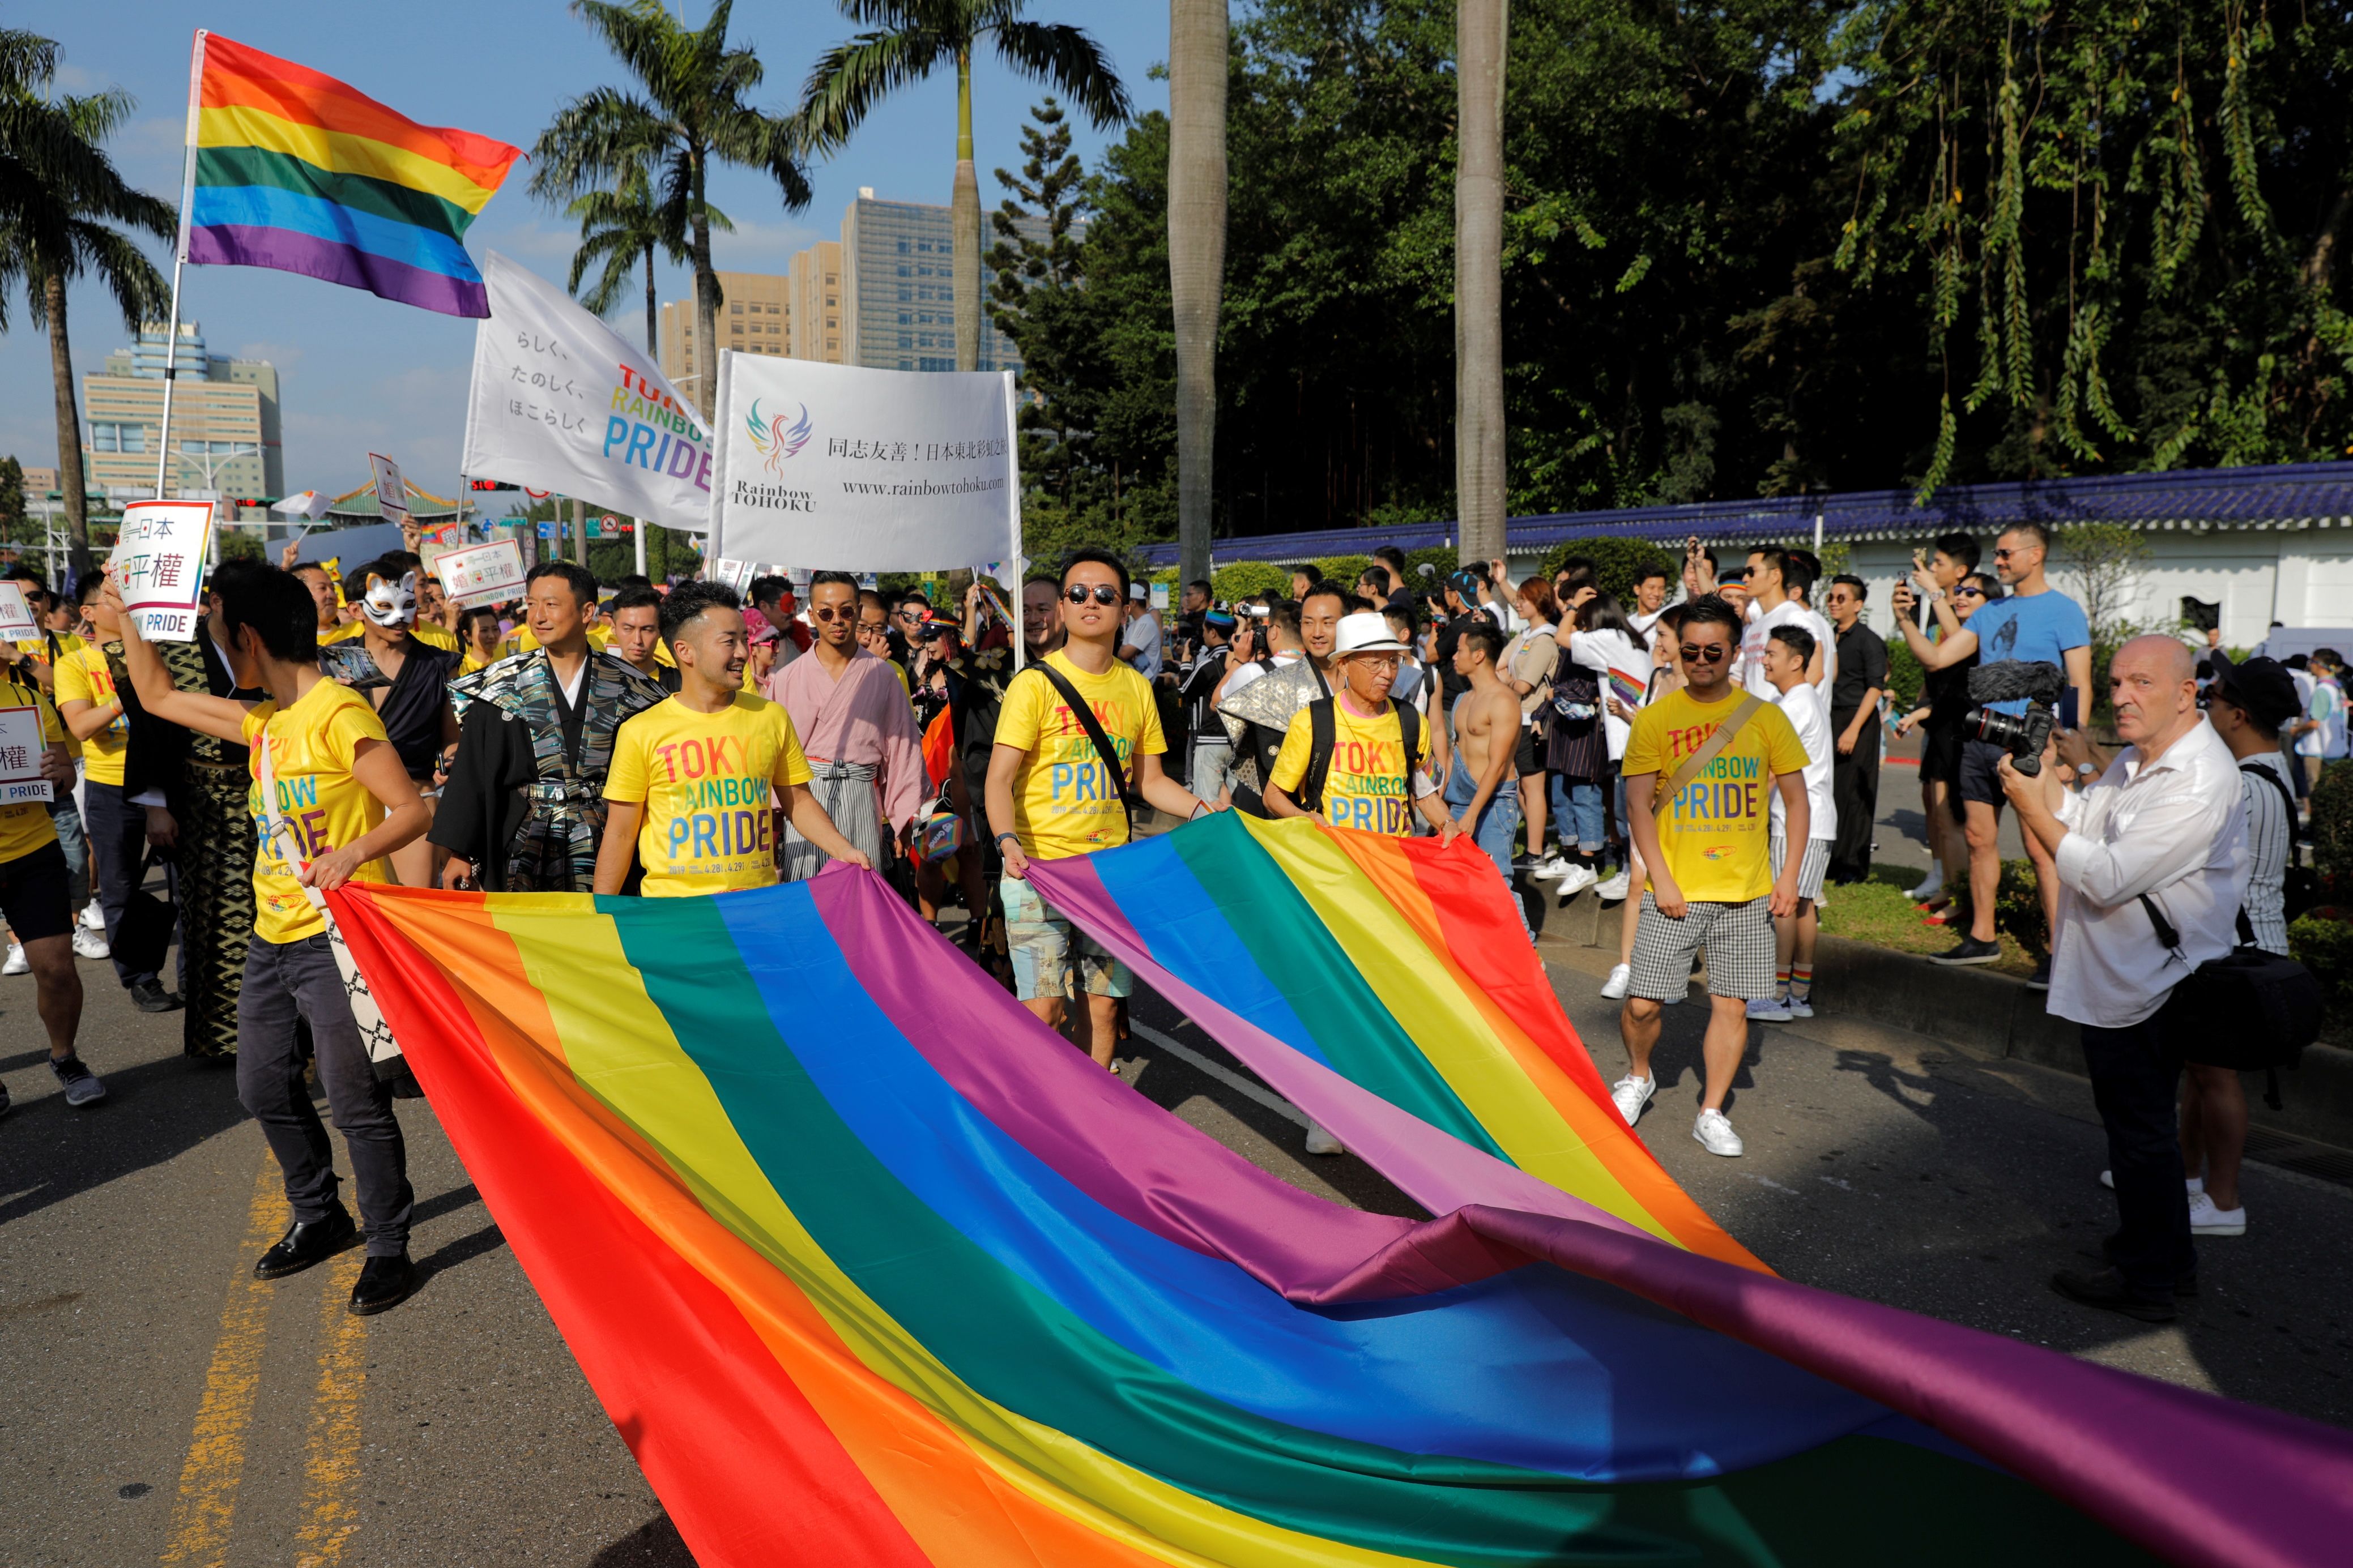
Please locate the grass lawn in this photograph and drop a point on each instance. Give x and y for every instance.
(1876, 911)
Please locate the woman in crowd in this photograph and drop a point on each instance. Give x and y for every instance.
(1943, 708)
(1598, 639)
(478, 634)
(1527, 668)
(1666, 675)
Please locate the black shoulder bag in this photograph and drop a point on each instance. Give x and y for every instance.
(2300, 885)
(1322, 730)
(2249, 1010)
(1095, 730)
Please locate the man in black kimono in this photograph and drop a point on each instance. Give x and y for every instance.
(524, 810)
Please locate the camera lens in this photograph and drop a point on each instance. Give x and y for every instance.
(2004, 730)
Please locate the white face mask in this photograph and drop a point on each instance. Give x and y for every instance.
(390, 605)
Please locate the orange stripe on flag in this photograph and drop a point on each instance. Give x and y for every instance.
(237, 75)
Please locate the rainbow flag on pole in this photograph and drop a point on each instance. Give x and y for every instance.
(294, 170)
(869, 1267)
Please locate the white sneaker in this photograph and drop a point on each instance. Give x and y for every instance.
(88, 943)
(1631, 1094)
(1798, 1006)
(1615, 890)
(1714, 1130)
(1550, 866)
(1321, 1142)
(1767, 1010)
(2195, 1186)
(93, 917)
(17, 964)
(1622, 975)
(2205, 1219)
(1575, 879)
(1929, 889)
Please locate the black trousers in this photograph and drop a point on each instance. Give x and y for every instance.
(297, 982)
(2135, 1073)
(118, 852)
(1854, 790)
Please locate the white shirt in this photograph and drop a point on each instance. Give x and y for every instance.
(1809, 716)
(1826, 639)
(1758, 632)
(2176, 830)
(1143, 634)
(1603, 652)
(1642, 623)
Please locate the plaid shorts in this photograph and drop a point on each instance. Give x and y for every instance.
(1810, 870)
(1739, 942)
(1044, 947)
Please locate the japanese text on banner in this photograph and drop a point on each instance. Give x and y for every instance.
(21, 748)
(159, 565)
(484, 574)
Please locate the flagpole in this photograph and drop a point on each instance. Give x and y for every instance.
(1013, 511)
(179, 259)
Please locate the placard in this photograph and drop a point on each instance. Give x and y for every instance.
(736, 574)
(390, 490)
(481, 574)
(158, 565)
(22, 747)
(17, 622)
(432, 543)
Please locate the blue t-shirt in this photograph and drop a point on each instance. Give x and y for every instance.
(2030, 627)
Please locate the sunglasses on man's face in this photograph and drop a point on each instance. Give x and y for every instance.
(1104, 593)
(833, 613)
(1707, 652)
(2005, 554)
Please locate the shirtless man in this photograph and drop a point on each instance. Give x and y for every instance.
(1480, 793)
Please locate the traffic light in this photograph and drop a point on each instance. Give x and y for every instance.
(485, 486)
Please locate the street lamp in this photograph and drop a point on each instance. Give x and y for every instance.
(211, 454)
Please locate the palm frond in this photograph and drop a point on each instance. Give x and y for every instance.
(595, 139)
(1070, 59)
(123, 268)
(850, 78)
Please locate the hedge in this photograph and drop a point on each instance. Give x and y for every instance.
(1616, 560)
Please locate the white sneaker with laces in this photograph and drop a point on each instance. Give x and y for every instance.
(1631, 1094)
(1614, 888)
(1767, 1010)
(17, 964)
(1798, 1006)
(92, 917)
(2205, 1219)
(88, 943)
(1714, 1130)
(1613, 989)
(1575, 881)
(1319, 1142)
(1546, 867)
(1929, 889)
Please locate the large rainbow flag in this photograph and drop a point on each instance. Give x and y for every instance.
(294, 170)
(869, 1267)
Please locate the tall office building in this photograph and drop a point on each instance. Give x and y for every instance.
(818, 316)
(226, 435)
(755, 311)
(899, 288)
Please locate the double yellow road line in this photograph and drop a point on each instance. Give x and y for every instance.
(204, 1515)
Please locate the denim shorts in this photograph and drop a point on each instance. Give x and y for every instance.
(1045, 948)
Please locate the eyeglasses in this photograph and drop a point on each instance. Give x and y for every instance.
(2005, 554)
(1968, 592)
(1707, 652)
(910, 616)
(1104, 593)
(832, 613)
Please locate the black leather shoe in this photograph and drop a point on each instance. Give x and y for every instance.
(384, 1284)
(2108, 1290)
(148, 996)
(2185, 1288)
(305, 1245)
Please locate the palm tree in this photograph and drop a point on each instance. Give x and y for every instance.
(620, 227)
(689, 113)
(908, 40)
(1480, 28)
(60, 199)
(1197, 258)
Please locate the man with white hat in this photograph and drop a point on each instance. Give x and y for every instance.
(1355, 758)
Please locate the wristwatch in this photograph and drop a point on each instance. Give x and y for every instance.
(2087, 769)
(1000, 839)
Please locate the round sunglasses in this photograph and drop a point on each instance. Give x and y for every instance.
(1707, 652)
(1104, 593)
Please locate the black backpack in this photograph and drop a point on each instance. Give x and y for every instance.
(1324, 736)
(2300, 887)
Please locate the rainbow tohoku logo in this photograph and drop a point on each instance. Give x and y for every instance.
(775, 439)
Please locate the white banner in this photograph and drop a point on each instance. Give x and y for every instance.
(390, 490)
(841, 467)
(21, 750)
(159, 565)
(563, 402)
(484, 574)
(18, 622)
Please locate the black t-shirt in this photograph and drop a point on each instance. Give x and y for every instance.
(1862, 666)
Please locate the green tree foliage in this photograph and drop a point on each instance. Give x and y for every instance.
(1029, 279)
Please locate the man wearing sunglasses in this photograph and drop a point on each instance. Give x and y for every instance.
(857, 730)
(1052, 792)
(2034, 622)
(1706, 845)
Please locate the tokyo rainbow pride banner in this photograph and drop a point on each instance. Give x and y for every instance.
(561, 402)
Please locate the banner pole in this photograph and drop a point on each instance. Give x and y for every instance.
(179, 259)
(1019, 592)
(720, 421)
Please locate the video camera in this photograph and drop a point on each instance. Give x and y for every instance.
(2022, 735)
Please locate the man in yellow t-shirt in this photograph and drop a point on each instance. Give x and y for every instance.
(1707, 850)
(346, 802)
(689, 796)
(1051, 794)
(36, 897)
(1366, 781)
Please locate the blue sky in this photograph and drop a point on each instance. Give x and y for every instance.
(360, 373)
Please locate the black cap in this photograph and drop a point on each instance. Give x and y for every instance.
(2264, 689)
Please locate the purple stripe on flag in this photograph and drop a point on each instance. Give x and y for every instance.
(239, 245)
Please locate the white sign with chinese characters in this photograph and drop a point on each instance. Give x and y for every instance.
(159, 565)
(482, 574)
(18, 622)
(21, 748)
(736, 574)
(854, 469)
(391, 490)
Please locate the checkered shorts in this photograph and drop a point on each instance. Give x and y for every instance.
(1046, 949)
(1810, 870)
(1739, 942)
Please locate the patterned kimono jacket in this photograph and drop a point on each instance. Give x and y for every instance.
(525, 800)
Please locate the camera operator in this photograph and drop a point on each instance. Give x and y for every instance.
(2034, 623)
(2163, 820)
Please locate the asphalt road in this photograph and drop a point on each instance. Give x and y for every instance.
(163, 1408)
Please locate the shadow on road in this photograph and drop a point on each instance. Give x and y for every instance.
(653, 1544)
(153, 1114)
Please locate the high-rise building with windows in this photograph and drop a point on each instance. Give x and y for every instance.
(754, 317)
(817, 314)
(226, 435)
(898, 266)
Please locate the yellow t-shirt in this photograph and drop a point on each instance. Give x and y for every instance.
(82, 677)
(705, 780)
(38, 651)
(25, 828)
(1063, 804)
(1368, 769)
(430, 633)
(1713, 832)
(522, 640)
(311, 745)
